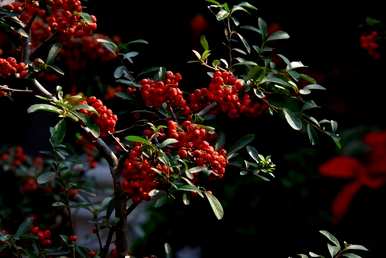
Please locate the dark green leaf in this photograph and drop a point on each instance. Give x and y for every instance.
(311, 134)
(53, 53)
(109, 45)
(314, 87)
(86, 17)
(58, 132)
(253, 153)
(250, 28)
(23, 228)
(245, 43)
(129, 55)
(309, 105)
(215, 205)
(293, 119)
(44, 107)
(262, 27)
(45, 177)
(241, 143)
(351, 255)
(247, 5)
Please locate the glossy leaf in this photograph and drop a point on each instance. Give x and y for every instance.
(241, 143)
(293, 119)
(44, 107)
(277, 35)
(134, 138)
(58, 132)
(45, 177)
(168, 142)
(215, 205)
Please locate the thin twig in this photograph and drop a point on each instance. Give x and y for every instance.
(98, 236)
(117, 141)
(6, 88)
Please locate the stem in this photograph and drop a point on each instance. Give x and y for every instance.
(98, 236)
(229, 43)
(6, 88)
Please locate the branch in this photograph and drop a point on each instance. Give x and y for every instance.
(6, 88)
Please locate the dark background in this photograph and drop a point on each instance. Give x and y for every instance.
(261, 220)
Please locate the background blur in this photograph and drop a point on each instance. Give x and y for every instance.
(282, 217)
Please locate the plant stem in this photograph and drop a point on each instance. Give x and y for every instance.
(6, 88)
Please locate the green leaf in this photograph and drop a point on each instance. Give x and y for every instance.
(139, 139)
(58, 204)
(58, 132)
(204, 43)
(295, 65)
(330, 237)
(262, 27)
(168, 142)
(86, 107)
(314, 87)
(309, 105)
(293, 119)
(129, 55)
(247, 5)
(222, 14)
(109, 45)
(351, 255)
(277, 35)
(241, 143)
(311, 134)
(220, 141)
(86, 17)
(44, 107)
(333, 250)
(250, 28)
(53, 53)
(253, 153)
(45, 177)
(168, 250)
(198, 55)
(55, 69)
(245, 43)
(23, 228)
(356, 247)
(215, 205)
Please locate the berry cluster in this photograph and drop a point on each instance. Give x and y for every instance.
(369, 42)
(77, 51)
(229, 93)
(155, 93)
(43, 235)
(14, 156)
(194, 144)
(10, 67)
(105, 119)
(138, 178)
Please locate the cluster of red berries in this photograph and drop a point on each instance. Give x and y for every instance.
(43, 235)
(369, 42)
(105, 119)
(138, 178)
(229, 93)
(155, 93)
(29, 185)
(65, 18)
(40, 31)
(15, 156)
(78, 51)
(10, 67)
(194, 144)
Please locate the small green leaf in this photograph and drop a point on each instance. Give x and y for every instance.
(293, 119)
(45, 177)
(129, 55)
(198, 55)
(330, 237)
(241, 143)
(356, 247)
(262, 27)
(247, 5)
(309, 105)
(215, 205)
(86, 107)
(351, 255)
(253, 153)
(245, 43)
(204, 43)
(58, 132)
(109, 45)
(53, 53)
(277, 35)
(222, 14)
(314, 87)
(295, 65)
(23, 228)
(168, 250)
(44, 107)
(58, 204)
(134, 138)
(168, 142)
(86, 17)
(333, 250)
(311, 134)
